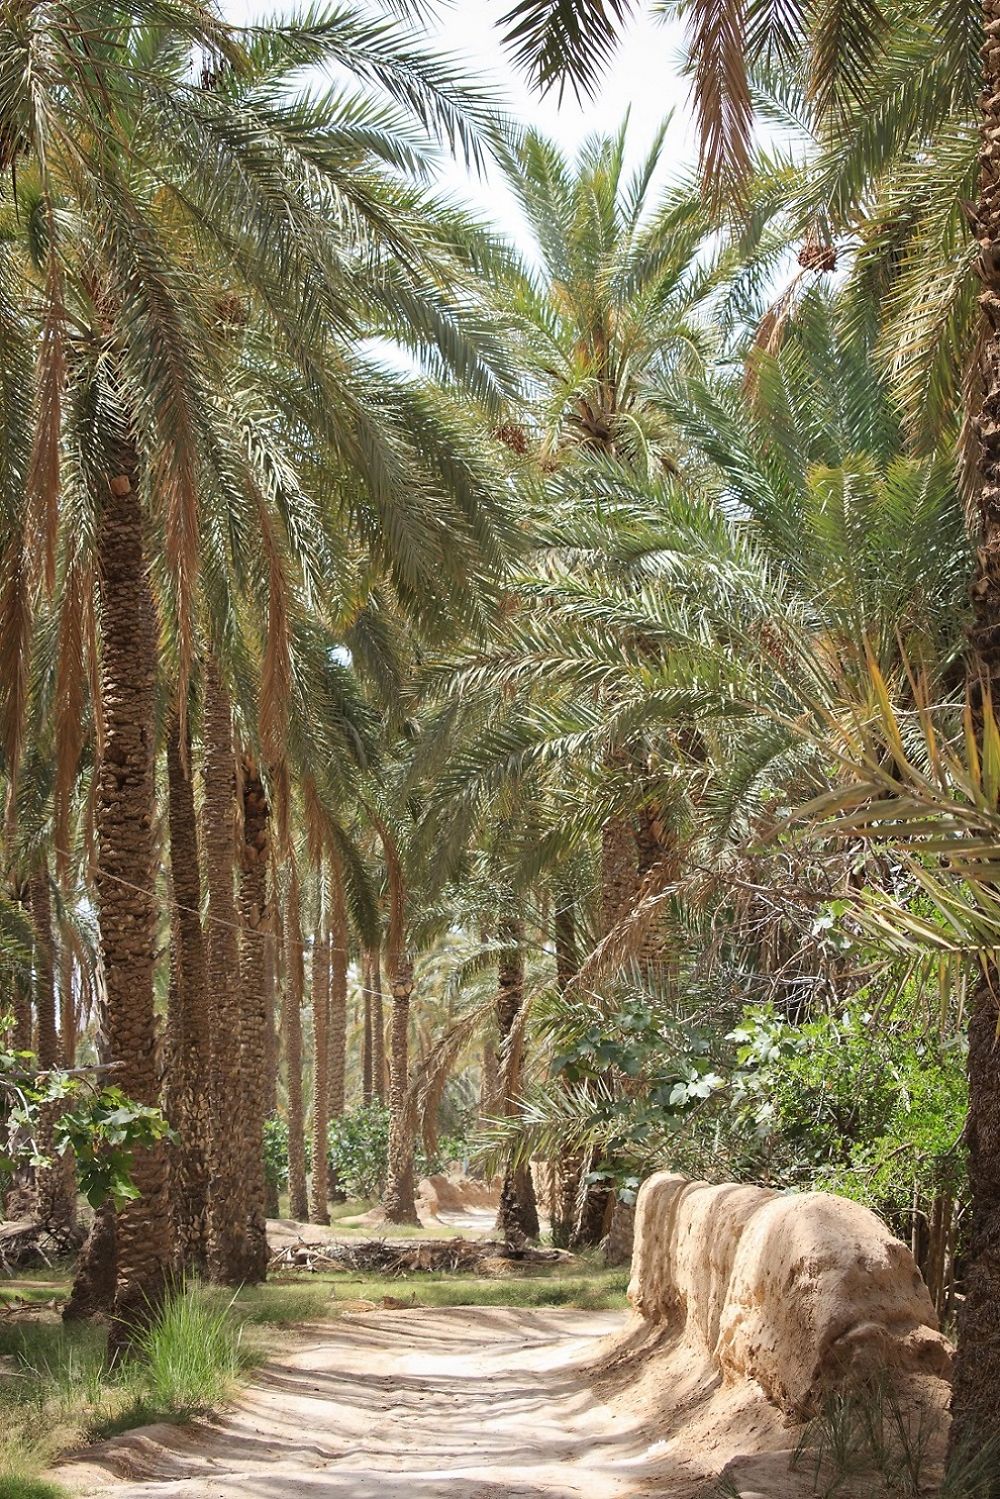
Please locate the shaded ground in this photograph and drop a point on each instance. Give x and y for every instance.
(458, 1403)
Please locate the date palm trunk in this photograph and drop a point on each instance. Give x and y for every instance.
(399, 1202)
(378, 1025)
(227, 1220)
(339, 940)
(568, 1164)
(318, 1207)
(256, 924)
(366, 1037)
(298, 1201)
(126, 864)
(55, 1190)
(619, 897)
(272, 1205)
(976, 1386)
(517, 1217)
(186, 1096)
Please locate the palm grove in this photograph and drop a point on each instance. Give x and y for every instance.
(562, 660)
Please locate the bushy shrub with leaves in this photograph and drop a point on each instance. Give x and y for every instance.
(358, 1150)
(99, 1124)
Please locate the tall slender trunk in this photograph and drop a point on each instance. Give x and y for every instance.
(272, 1206)
(256, 923)
(518, 1212)
(67, 1006)
(227, 1222)
(568, 1164)
(619, 897)
(47, 1043)
(125, 879)
(378, 1025)
(399, 1201)
(339, 940)
(366, 1036)
(187, 1100)
(318, 1208)
(298, 1201)
(55, 1192)
(22, 1038)
(976, 1386)
(340, 937)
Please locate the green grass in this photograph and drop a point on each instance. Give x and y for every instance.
(602, 1290)
(29, 1488)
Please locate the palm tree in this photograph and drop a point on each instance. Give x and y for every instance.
(146, 419)
(186, 1098)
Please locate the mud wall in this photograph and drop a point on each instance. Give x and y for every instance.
(802, 1293)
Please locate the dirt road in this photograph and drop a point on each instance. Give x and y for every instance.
(468, 1403)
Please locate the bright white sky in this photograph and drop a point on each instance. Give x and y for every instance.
(644, 78)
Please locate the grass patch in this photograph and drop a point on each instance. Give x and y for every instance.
(602, 1290)
(29, 1488)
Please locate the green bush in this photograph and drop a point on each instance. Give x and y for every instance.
(358, 1150)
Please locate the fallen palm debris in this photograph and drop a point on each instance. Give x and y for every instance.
(402, 1257)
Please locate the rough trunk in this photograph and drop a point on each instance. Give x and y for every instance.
(339, 938)
(399, 1202)
(318, 1209)
(378, 1026)
(567, 1167)
(256, 924)
(517, 1217)
(619, 896)
(125, 881)
(93, 1290)
(67, 1006)
(366, 1037)
(272, 1204)
(298, 1202)
(619, 873)
(22, 1038)
(227, 1221)
(186, 1094)
(55, 1189)
(976, 1388)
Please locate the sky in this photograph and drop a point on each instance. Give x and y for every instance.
(644, 79)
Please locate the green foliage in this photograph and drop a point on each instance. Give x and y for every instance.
(359, 1150)
(868, 1106)
(103, 1133)
(101, 1125)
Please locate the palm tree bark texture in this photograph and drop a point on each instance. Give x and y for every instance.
(517, 1216)
(256, 918)
(228, 1237)
(318, 1209)
(186, 1099)
(55, 1188)
(124, 882)
(399, 1203)
(976, 1387)
(337, 1059)
(298, 1201)
(378, 1025)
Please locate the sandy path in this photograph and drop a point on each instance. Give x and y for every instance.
(468, 1403)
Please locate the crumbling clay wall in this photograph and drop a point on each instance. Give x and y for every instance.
(802, 1293)
(456, 1194)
